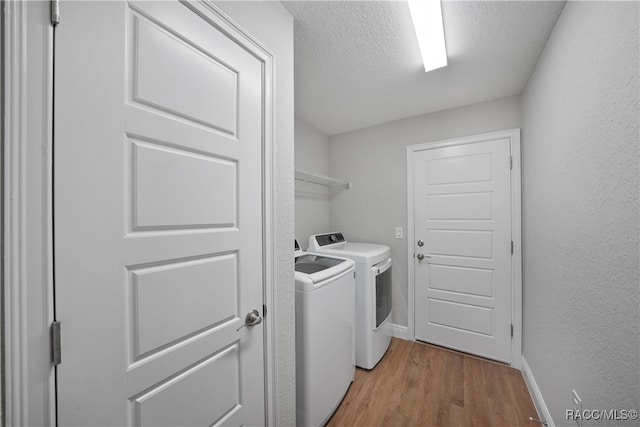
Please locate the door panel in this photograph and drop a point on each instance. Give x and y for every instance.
(164, 404)
(460, 243)
(170, 303)
(463, 280)
(459, 169)
(158, 225)
(207, 93)
(463, 215)
(204, 196)
(460, 206)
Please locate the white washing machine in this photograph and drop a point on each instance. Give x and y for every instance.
(373, 292)
(325, 334)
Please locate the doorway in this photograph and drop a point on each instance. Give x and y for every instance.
(464, 247)
(159, 208)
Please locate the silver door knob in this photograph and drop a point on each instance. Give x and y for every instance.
(421, 257)
(253, 318)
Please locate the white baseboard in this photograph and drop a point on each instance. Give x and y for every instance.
(398, 331)
(536, 394)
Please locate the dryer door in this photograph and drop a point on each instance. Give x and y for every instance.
(382, 274)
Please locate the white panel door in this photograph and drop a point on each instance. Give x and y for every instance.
(158, 217)
(463, 229)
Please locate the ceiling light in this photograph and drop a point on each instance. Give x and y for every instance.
(427, 21)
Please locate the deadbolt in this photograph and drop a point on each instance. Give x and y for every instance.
(420, 243)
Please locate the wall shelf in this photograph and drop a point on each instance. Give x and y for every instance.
(335, 185)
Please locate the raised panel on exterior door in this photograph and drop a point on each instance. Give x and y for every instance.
(463, 215)
(158, 217)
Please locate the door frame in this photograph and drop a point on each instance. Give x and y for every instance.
(27, 308)
(513, 135)
(28, 385)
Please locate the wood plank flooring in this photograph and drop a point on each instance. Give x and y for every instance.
(418, 384)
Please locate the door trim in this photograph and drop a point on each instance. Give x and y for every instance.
(27, 211)
(28, 384)
(516, 230)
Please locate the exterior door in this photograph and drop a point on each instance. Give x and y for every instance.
(462, 264)
(158, 216)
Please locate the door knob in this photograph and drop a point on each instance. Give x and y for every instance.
(253, 318)
(422, 256)
(420, 243)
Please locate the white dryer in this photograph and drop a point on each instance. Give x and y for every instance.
(325, 334)
(373, 292)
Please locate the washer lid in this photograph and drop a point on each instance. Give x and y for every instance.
(314, 263)
(316, 270)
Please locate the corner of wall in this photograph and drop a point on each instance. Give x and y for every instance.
(312, 200)
(536, 394)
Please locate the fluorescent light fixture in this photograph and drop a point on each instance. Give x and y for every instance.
(427, 21)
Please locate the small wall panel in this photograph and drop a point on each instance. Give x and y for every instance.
(194, 397)
(207, 94)
(173, 301)
(477, 244)
(463, 169)
(469, 206)
(472, 281)
(175, 189)
(461, 316)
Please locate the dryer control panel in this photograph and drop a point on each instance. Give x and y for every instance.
(329, 239)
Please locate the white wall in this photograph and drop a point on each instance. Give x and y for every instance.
(580, 152)
(374, 159)
(272, 24)
(312, 200)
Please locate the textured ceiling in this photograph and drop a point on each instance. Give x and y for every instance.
(357, 63)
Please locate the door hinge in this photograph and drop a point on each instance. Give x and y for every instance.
(55, 12)
(511, 162)
(511, 330)
(512, 247)
(264, 310)
(56, 347)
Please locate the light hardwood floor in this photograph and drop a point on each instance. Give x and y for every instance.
(418, 384)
